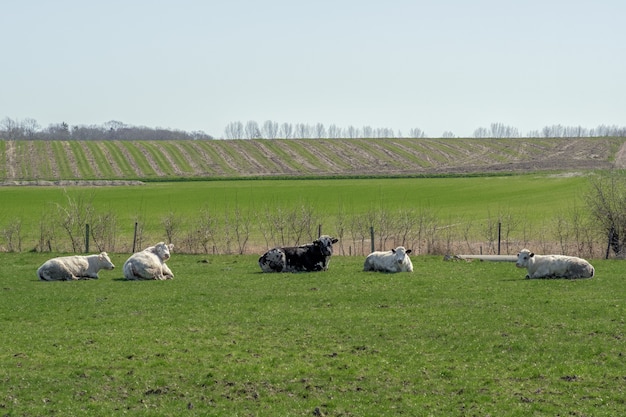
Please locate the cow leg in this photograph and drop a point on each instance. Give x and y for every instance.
(167, 272)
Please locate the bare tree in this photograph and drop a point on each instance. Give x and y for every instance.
(46, 234)
(301, 222)
(334, 132)
(383, 132)
(12, 234)
(606, 200)
(286, 131)
(416, 132)
(10, 129)
(73, 217)
(302, 131)
(252, 130)
(104, 230)
(30, 128)
(270, 129)
(499, 130)
(481, 132)
(206, 229)
(242, 226)
(234, 130)
(320, 131)
(352, 132)
(60, 131)
(171, 222)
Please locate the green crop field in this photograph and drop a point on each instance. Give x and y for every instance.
(530, 201)
(223, 339)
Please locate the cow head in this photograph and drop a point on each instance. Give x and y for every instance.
(523, 258)
(325, 244)
(399, 254)
(105, 261)
(163, 251)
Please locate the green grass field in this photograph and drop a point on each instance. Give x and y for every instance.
(534, 199)
(451, 339)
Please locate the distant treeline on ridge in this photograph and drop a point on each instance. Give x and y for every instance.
(29, 129)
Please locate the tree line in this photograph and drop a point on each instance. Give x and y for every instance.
(274, 130)
(29, 129)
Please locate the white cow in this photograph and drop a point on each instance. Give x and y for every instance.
(149, 263)
(553, 266)
(395, 260)
(67, 268)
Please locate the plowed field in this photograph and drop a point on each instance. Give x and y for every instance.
(143, 160)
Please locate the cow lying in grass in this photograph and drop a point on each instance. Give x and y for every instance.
(310, 257)
(149, 263)
(68, 268)
(553, 266)
(395, 260)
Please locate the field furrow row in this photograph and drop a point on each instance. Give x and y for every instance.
(76, 160)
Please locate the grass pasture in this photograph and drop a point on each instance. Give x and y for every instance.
(451, 339)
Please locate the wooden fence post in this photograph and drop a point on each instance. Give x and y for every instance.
(87, 238)
(135, 237)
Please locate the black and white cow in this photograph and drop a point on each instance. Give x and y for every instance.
(310, 257)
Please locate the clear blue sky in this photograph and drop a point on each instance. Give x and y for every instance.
(440, 65)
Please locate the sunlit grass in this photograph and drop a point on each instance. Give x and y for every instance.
(453, 338)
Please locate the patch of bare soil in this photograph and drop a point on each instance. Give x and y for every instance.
(153, 164)
(54, 167)
(90, 158)
(620, 157)
(254, 164)
(129, 158)
(226, 158)
(10, 158)
(191, 161)
(281, 166)
(351, 154)
(71, 158)
(207, 159)
(329, 166)
(110, 160)
(68, 183)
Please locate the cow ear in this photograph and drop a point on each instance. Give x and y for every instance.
(335, 240)
(393, 251)
(532, 254)
(408, 251)
(171, 246)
